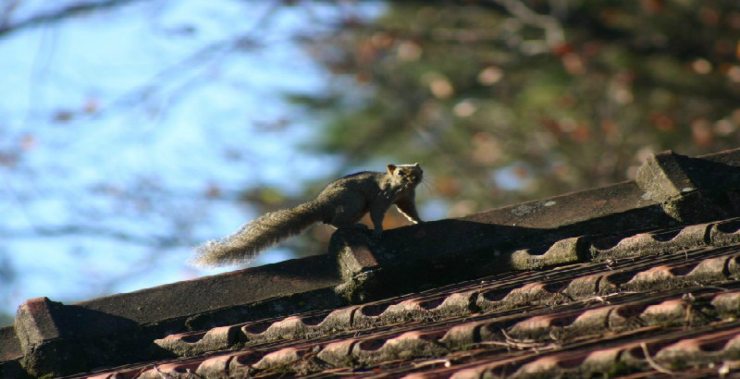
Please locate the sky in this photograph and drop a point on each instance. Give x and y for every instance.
(118, 126)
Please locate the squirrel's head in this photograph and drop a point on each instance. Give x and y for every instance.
(408, 174)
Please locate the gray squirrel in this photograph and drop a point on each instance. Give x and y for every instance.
(342, 204)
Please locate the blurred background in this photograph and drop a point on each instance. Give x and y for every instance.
(132, 131)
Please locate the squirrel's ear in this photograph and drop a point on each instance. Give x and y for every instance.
(391, 168)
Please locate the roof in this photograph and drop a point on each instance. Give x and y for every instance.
(637, 279)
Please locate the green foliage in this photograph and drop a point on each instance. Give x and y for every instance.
(502, 102)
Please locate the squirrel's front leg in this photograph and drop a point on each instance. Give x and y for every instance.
(377, 212)
(407, 206)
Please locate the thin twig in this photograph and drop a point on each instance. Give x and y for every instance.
(57, 15)
(652, 363)
(445, 362)
(520, 344)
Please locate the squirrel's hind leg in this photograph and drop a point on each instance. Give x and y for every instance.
(348, 214)
(350, 223)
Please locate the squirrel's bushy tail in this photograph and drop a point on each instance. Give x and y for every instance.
(257, 235)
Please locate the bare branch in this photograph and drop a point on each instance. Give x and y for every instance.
(211, 53)
(61, 14)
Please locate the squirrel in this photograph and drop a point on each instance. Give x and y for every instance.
(342, 204)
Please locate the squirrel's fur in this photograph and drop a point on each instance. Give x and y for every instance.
(341, 204)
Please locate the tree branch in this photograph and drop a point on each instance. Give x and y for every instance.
(61, 14)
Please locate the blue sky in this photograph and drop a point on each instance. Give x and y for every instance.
(136, 159)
